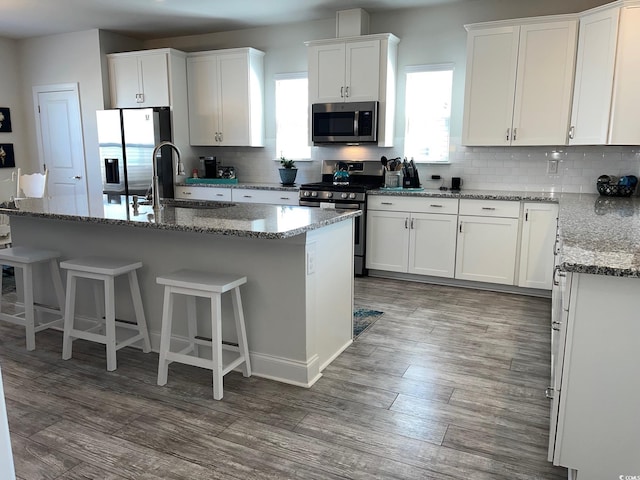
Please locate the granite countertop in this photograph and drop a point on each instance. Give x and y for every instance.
(242, 219)
(600, 235)
(470, 194)
(252, 186)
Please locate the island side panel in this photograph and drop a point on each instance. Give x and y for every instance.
(274, 297)
(330, 290)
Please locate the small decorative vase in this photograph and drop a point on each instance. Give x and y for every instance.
(288, 175)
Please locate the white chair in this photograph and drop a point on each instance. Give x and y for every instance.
(32, 185)
(25, 258)
(211, 286)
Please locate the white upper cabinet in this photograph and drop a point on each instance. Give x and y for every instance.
(144, 78)
(519, 81)
(594, 78)
(624, 127)
(356, 69)
(225, 93)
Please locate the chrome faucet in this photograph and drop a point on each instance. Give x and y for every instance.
(155, 190)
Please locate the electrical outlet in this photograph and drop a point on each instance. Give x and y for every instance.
(552, 167)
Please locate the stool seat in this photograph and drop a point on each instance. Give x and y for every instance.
(101, 265)
(25, 258)
(192, 284)
(105, 270)
(205, 281)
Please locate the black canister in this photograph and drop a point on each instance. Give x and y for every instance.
(210, 167)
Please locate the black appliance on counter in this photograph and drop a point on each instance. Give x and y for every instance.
(126, 139)
(362, 176)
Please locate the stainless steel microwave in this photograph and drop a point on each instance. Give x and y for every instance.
(355, 122)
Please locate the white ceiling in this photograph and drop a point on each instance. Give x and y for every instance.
(147, 19)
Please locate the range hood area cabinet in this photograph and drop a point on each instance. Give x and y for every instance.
(356, 69)
(225, 95)
(606, 95)
(519, 80)
(146, 78)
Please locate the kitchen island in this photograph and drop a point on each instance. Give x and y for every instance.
(595, 414)
(298, 262)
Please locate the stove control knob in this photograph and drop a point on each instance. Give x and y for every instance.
(329, 194)
(352, 195)
(344, 195)
(306, 194)
(314, 194)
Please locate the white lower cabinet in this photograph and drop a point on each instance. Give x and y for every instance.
(404, 236)
(536, 245)
(487, 245)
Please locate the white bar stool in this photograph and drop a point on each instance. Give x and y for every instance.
(105, 270)
(25, 258)
(207, 285)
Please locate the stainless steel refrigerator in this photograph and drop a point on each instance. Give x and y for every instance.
(126, 139)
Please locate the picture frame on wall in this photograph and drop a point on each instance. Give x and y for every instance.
(5, 120)
(7, 159)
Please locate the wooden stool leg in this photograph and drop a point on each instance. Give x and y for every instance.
(192, 323)
(216, 345)
(29, 314)
(69, 314)
(139, 310)
(110, 322)
(238, 315)
(165, 335)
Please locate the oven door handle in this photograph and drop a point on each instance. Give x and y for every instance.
(349, 206)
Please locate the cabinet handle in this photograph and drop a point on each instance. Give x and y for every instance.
(346, 92)
(508, 131)
(139, 97)
(284, 198)
(549, 393)
(219, 194)
(435, 206)
(515, 134)
(526, 215)
(555, 326)
(186, 193)
(341, 92)
(460, 227)
(247, 196)
(386, 203)
(572, 132)
(488, 208)
(406, 223)
(412, 224)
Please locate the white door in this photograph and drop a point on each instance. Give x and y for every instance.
(233, 97)
(544, 82)
(124, 81)
(432, 248)
(492, 58)
(61, 147)
(362, 82)
(593, 85)
(326, 73)
(536, 247)
(203, 99)
(154, 78)
(486, 249)
(387, 240)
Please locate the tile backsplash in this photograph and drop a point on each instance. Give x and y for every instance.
(494, 168)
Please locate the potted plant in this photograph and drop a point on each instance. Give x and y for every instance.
(288, 171)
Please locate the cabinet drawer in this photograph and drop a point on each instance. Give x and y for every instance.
(413, 204)
(276, 197)
(203, 193)
(490, 208)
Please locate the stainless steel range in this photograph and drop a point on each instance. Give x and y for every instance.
(344, 186)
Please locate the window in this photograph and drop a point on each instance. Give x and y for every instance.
(292, 116)
(428, 113)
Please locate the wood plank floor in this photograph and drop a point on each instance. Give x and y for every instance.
(447, 384)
